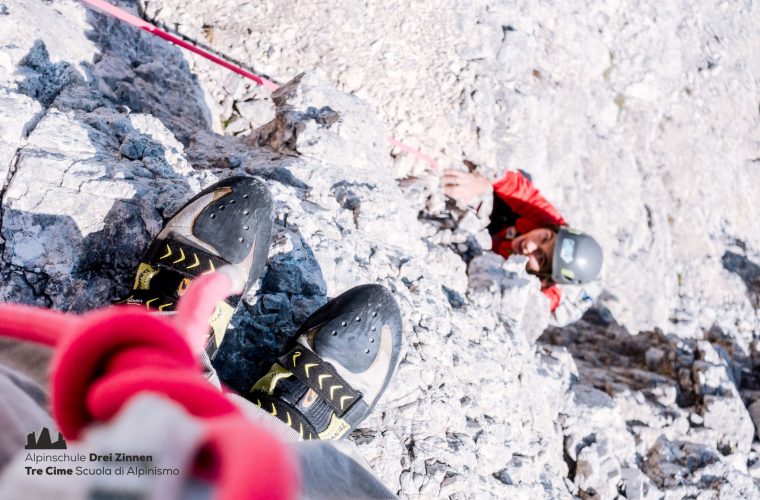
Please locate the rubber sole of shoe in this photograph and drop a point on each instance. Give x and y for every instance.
(231, 217)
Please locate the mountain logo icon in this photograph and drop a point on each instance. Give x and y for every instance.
(44, 442)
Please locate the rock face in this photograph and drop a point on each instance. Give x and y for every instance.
(668, 407)
(105, 131)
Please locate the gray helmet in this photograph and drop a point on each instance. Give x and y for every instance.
(577, 258)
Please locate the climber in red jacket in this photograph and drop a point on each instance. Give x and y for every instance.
(522, 222)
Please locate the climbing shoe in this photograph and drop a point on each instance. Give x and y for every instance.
(343, 359)
(229, 223)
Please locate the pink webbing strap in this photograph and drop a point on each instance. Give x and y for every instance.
(419, 154)
(135, 21)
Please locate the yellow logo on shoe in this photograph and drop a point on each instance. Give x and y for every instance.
(196, 263)
(276, 378)
(307, 367)
(342, 401)
(268, 382)
(181, 258)
(168, 252)
(322, 377)
(211, 268)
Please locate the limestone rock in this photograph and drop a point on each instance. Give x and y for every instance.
(597, 471)
(676, 399)
(257, 112)
(671, 463)
(638, 486)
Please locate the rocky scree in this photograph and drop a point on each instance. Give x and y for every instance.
(663, 415)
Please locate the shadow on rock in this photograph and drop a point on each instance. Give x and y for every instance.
(89, 190)
(43, 80)
(48, 263)
(292, 288)
(147, 75)
(747, 270)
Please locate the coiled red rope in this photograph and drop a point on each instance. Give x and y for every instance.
(105, 358)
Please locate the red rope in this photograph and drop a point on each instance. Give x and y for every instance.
(33, 324)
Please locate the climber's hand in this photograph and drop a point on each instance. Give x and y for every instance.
(463, 186)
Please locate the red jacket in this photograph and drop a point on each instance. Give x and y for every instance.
(532, 211)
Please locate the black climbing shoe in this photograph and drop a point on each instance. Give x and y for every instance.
(342, 362)
(227, 223)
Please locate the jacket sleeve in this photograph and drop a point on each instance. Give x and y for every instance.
(575, 302)
(520, 194)
(554, 295)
